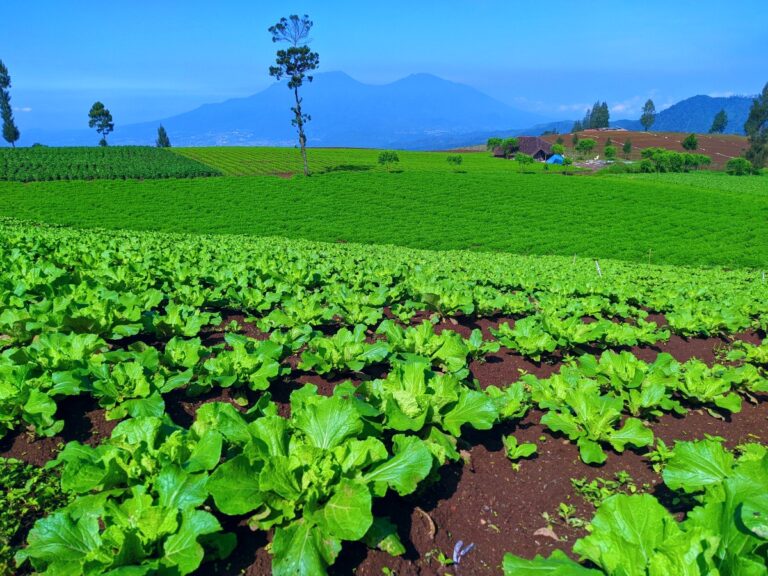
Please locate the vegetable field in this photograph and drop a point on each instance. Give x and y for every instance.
(230, 404)
(248, 161)
(710, 219)
(114, 162)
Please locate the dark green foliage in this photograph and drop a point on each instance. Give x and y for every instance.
(662, 160)
(599, 117)
(558, 148)
(757, 130)
(627, 148)
(493, 143)
(575, 139)
(719, 123)
(10, 131)
(455, 160)
(100, 118)
(560, 140)
(387, 158)
(118, 162)
(577, 127)
(509, 146)
(690, 142)
(28, 493)
(585, 146)
(649, 115)
(523, 160)
(162, 138)
(296, 64)
(610, 152)
(740, 167)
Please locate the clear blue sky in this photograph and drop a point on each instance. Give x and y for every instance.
(151, 59)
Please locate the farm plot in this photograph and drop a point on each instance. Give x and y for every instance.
(233, 404)
(245, 161)
(635, 219)
(112, 163)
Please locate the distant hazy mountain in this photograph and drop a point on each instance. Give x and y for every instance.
(696, 115)
(420, 111)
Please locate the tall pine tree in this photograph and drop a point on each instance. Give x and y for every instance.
(162, 138)
(719, 123)
(10, 131)
(756, 128)
(649, 115)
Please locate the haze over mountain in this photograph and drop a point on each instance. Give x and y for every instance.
(420, 111)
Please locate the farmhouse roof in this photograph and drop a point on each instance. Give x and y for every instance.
(532, 144)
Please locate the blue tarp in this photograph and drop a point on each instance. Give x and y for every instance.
(556, 159)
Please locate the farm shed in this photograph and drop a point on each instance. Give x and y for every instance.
(534, 146)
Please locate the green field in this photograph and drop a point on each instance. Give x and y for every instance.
(117, 162)
(234, 161)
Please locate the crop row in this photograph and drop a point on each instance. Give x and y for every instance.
(105, 163)
(129, 319)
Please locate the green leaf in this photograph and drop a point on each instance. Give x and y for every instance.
(301, 549)
(234, 486)
(180, 490)
(474, 408)
(410, 464)
(328, 422)
(590, 451)
(383, 535)
(182, 549)
(347, 515)
(61, 540)
(696, 465)
(558, 564)
(634, 433)
(626, 531)
(754, 514)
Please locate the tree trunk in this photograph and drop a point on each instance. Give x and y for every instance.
(300, 126)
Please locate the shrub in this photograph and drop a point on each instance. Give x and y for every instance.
(455, 160)
(740, 167)
(387, 158)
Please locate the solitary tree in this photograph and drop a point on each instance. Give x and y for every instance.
(558, 149)
(10, 131)
(100, 118)
(296, 64)
(509, 146)
(455, 160)
(575, 139)
(757, 130)
(493, 143)
(387, 158)
(627, 148)
(690, 142)
(610, 152)
(585, 146)
(649, 115)
(560, 140)
(523, 160)
(162, 138)
(719, 123)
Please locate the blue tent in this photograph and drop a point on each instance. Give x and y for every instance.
(556, 159)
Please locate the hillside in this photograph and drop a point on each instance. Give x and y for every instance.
(720, 147)
(696, 114)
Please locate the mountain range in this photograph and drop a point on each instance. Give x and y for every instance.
(420, 111)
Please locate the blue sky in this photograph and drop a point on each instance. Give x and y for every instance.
(150, 59)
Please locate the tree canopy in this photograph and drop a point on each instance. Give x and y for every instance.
(100, 118)
(648, 117)
(756, 128)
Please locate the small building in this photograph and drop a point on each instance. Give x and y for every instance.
(556, 159)
(534, 146)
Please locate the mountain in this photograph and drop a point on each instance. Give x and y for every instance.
(418, 112)
(696, 115)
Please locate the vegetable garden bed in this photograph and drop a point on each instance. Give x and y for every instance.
(230, 404)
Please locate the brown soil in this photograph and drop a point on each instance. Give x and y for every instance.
(483, 500)
(720, 147)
